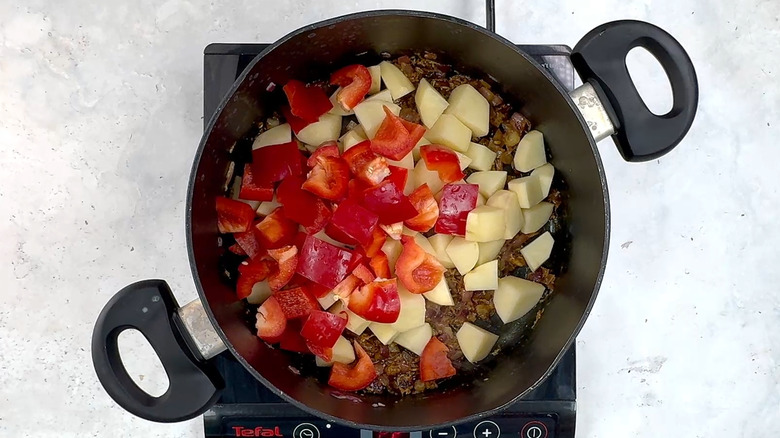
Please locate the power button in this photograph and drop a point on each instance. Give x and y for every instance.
(534, 429)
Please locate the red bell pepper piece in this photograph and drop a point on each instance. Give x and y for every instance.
(317, 289)
(417, 270)
(296, 123)
(324, 263)
(427, 209)
(287, 260)
(348, 285)
(249, 273)
(367, 166)
(354, 221)
(302, 206)
(457, 200)
(277, 162)
(416, 131)
(434, 363)
(389, 202)
(392, 139)
(364, 274)
(380, 265)
(291, 339)
(308, 102)
(276, 230)
(378, 238)
(443, 161)
(323, 328)
(250, 244)
(328, 179)
(338, 235)
(355, 189)
(327, 149)
(393, 231)
(353, 377)
(398, 175)
(236, 249)
(270, 320)
(296, 303)
(377, 301)
(324, 353)
(355, 81)
(254, 190)
(233, 216)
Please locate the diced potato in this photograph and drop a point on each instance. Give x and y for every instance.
(536, 216)
(463, 159)
(489, 181)
(376, 79)
(471, 108)
(253, 204)
(384, 332)
(266, 207)
(327, 301)
(370, 114)
(422, 176)
(449, 131)
(475, 342)
(463, 253)
(392, 249)
(395, 80)
(485, 224)
(515, 297)
(482, 157)
(545, 174)
(351, 138)
(489, 250)
(412, 310)
(416, 151)
(439, 244)
(430, 104)
(538, 251)
(480, 199)
(513, 214)
(277, 135)
(415, 339)
(327, 128)
(440, 294)
(337, 108)
(260, 292)
(527, 189)
(530, 152)
(383, 95)
(407, 162)
(355, 323)
(483, 277)
(342, 353)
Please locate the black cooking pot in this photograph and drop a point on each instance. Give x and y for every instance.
(186, 337)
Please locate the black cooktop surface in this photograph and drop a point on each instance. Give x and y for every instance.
(246, 408)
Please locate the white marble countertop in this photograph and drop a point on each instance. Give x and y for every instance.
(100, 113)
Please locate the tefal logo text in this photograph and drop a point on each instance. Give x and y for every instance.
(257, 431)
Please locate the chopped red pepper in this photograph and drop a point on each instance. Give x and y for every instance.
(355, 189)
(287, 260)
(442, 160)
(249, 273)
(398, 175)
(324, 353)
(353, 377)
(364, 274)
(302, 206)
(355, 81)
(276, 230)
(380, 264)
(377, 301)
(308, 102)
(327, 149)
(416, 131)
(367, 166)
(392, 139)
(250, 244)
(296, 303)
(317, 289)
(336, 234)
(291, 339)
(457, 200)
(389, 202)
(324, 263)
(233, 216)
(270, 320)
(348, 285)
(277, 162)
(427, 208)
(378, 238)
(417, 270)
(434, 363)
(393, 231)
(236, 249)
(323, 328)
(254, 190)
(328, 179)
(354, 221)
(296, 123)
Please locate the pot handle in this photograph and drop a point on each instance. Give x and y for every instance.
(149, 307)
(600, 60)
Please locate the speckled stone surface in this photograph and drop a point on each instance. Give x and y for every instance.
(100, 114)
